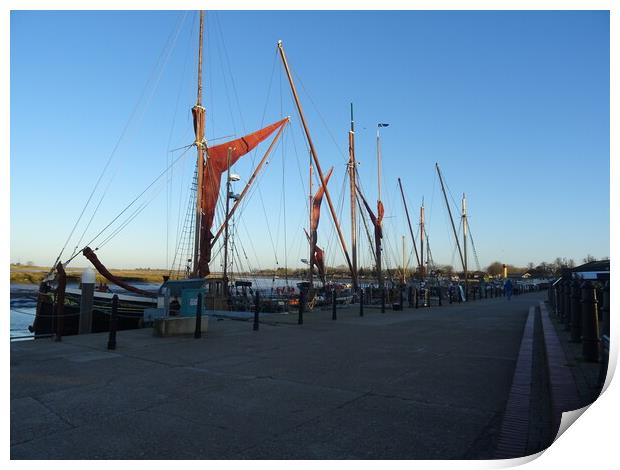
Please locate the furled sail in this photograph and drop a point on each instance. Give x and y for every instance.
(217, 163)
(92, 257)
(317, 258)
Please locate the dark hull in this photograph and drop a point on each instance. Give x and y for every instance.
(129, 316)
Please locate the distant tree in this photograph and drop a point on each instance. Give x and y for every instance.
(530, 266)
(589, 259)
(30, 263)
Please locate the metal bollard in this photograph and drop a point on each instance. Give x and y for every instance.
(256, 312)
(427, 297)
(473, 293)
(362, 303)
(417, 296)
(334, 305)
(300, 316)
(439, 291)
(401, 297)
(383, 300)
(605, 310)
(575, 311)
(589, 322)
(113, 325)
(410, 296)
(567, 303)
(198, 328)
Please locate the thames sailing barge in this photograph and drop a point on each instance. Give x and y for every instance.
(58, 306)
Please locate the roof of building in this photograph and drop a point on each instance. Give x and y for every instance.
(593, 266)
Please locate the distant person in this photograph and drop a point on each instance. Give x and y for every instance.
(508, 288)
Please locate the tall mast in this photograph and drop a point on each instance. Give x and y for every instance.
(456, 237)
(422, 268)
(228, 196)
(379, 206)
(404, 261)
(199, 123)
(312, 244)
(314, 155)
(464, 215)
(352, 170)
(415, 248)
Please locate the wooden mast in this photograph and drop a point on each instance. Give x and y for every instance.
(352, 169)
(314, 155)
(415, 248)
(378, 238)
(228, 195)
(456, 238)
(312, 243)
(200, 147)
(422, 267)
(464, 215)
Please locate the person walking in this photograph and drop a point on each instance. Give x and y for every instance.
(508, 288)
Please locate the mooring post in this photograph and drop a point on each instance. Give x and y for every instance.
(113, 325)
(361, 302)
(567, 303)
(256, 311)
(86, 301)
(383, 300)
(198, 329)
(302, 299)
(575, 310)
(605, 309)
(334, 304)
(410, 296)
(589, 322)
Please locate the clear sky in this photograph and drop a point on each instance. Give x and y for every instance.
(514, 106)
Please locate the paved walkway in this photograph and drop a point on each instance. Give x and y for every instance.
(415, 384)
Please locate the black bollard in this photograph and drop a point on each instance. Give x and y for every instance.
(256, 312)
(334, 305)
(383, 300)
(417, 296)
(589, 322)
(198, 328)
(427, 297)
(439, 291)
(567, 304)
(486, 292)
(605, 311)
(401, 297)
(113, 317)
(575, 311)
(302, 299)
(410, 296)
(473, 293)
(362, 303)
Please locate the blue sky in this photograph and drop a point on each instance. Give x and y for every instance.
(514, 106)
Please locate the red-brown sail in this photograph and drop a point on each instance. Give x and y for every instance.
(216, 164)
(92, 257)
(317, 258)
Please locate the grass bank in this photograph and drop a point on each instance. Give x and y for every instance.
(35, 274)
